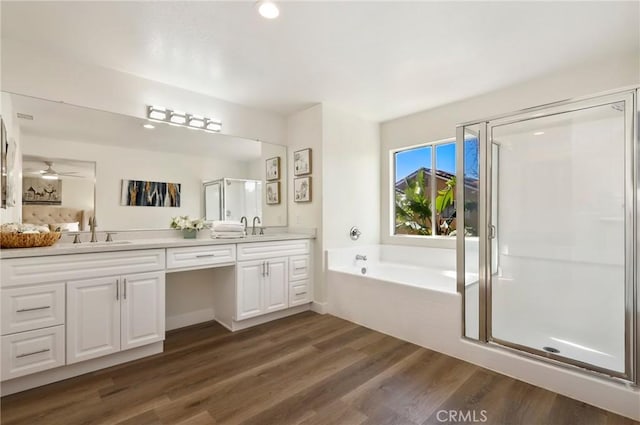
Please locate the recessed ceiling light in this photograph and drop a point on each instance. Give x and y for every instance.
(538, 133)
(268, 9)
(149, 126)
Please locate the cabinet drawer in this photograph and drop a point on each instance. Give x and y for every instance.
(200, 256)
(299, 267)
(299, 293)
(259, 250)
(58, 268)
(34, 307)
(33, 351)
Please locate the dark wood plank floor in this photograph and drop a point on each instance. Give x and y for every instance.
(306, 369)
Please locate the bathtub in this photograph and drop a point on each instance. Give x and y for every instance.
(395, 289)
(427, 268)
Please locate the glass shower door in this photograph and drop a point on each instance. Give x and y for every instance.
(560, 228)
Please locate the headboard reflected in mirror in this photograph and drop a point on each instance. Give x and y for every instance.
(130, 157)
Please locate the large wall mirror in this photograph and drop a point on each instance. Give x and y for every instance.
(131, 177)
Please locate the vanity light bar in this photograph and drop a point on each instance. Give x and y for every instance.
(183, 119)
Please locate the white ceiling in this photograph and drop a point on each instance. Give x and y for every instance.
(378, 59)
(55, 120)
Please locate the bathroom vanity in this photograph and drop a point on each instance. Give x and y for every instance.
(68, 310)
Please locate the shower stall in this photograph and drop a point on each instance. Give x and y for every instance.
(547, 232)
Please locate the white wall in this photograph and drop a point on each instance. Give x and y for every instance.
(351, 184)
(49, 75)
(304, 130)
(440, 123)
(12, 214)
(77, 193)
(345, 180)
(115, 163)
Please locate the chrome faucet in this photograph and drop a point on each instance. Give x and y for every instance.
(361, 257)
(253, 230)
(92, 226)
(243, 219)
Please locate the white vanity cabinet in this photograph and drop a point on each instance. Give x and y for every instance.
(300, 288)
(261, 287)
(265, 273)
(110, 314)
(70, 313)
(32, 329)
(63, 309)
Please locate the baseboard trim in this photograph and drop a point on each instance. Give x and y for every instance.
(259, 320)
(320, 308)
(23, 383)
(190, 318)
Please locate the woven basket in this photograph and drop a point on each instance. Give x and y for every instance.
(27, 240)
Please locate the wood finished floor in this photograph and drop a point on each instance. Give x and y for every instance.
(306, 369)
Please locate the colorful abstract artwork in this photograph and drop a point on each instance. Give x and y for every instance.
(138, 193)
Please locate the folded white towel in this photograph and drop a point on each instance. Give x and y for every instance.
(227, 235)
(219, 226)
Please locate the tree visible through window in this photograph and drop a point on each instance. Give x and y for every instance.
(425, 189)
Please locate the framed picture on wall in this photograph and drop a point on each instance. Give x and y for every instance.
(273, 193)
(38, 191)
(302, 162)
(302, 189)
(139, 193)
(273, 168)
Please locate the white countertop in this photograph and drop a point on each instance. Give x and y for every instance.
(88, 247)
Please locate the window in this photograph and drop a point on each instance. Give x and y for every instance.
(425, 200)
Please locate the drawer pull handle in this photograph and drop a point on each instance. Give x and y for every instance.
(205, 255)
(301, 293)
(22, 310)
(300, 268)
(31, 354)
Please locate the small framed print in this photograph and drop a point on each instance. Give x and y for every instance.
(302, 162)
(273, 168)
(273, 193)
(302, 189)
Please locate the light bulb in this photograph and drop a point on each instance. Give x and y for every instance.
(268, 9)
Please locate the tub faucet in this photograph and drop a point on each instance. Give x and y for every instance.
(361, 257)
(92, 226)
(253, 230)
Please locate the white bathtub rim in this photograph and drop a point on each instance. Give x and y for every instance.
(394, 282)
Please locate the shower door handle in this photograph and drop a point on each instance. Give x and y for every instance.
(492, 231)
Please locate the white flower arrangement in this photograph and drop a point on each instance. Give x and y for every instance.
(184, 222)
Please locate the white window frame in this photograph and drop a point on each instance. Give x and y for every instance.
(440, 241)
